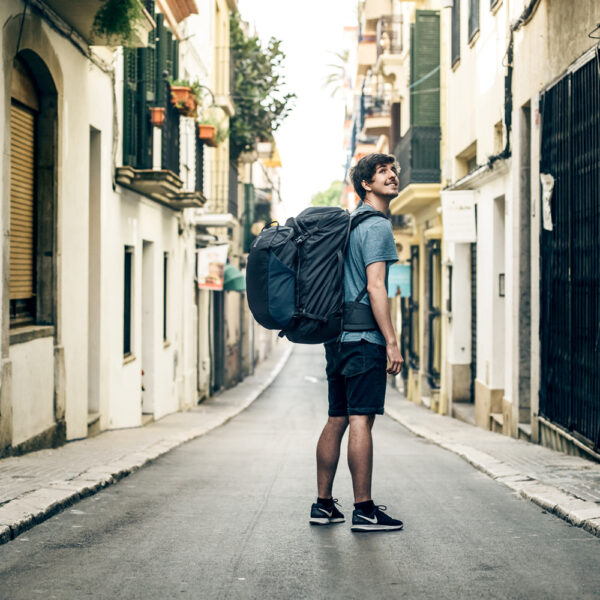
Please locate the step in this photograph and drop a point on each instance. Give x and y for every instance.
(497, 422)
(525, 431)
(147, 418)
(93, 424)
(464, 411)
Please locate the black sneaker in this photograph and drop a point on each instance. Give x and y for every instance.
(376, 521)
(320, 515)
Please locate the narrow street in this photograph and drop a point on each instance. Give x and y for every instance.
(226, 516)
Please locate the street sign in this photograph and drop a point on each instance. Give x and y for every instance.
(458, 216)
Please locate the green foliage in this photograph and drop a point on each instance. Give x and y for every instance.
(115, 18)
(338, 73)
(331, 196)
(260, 104)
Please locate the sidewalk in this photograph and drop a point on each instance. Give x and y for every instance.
(36, 486)
(567, 486)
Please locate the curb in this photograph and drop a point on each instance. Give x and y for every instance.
(577, 512)
(31, 509)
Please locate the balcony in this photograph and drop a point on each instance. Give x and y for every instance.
(80, 16)
(373, 9)
(366, 55)
(390, 35)
(376, 116)
(418, 153)
(162, 186)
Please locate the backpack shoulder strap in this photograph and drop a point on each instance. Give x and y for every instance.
(354, 221)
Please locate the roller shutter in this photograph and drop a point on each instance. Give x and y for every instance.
(22, 203)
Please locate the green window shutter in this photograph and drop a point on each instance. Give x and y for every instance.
(175, 58)
(145, 99)
(161, 59)
(425, 69)
(130, 113)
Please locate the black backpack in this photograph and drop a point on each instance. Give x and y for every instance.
(295, 277)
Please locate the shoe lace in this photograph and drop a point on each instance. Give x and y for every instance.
(381, 507)
(336, 501)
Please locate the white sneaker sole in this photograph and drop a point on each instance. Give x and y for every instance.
(376, 527)
(325, 521)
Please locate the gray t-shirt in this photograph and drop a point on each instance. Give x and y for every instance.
(370, 241)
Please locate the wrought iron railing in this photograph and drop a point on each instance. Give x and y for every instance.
(418, 154)
(199, 164)
(389, 35)
(570, 278)
(232, 200)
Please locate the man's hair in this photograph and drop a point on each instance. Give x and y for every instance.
(365, 170)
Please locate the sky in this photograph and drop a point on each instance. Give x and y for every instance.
(310, 141)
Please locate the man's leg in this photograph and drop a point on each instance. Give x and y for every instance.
(328, 454)
(360, 455)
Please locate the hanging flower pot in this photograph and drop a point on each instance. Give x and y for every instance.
(184, 100)
(207, 133)
(157, 116)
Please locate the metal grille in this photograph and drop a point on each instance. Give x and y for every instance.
(232, 201)
(199, 163)
(570, 278)
(389, 35)
(434, 366)
(413, 310)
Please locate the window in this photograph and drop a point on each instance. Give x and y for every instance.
(165, 293)
(127, 303)
(24, 111)
(473, 18)
(455, 32)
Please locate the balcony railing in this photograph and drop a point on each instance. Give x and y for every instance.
(389, 35)
(418, 153)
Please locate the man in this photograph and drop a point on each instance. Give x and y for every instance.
(358, 362)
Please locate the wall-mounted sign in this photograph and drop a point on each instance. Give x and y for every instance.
(399, 281)
(210, 267)
(458, 216)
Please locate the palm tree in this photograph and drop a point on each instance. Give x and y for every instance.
(339, 75)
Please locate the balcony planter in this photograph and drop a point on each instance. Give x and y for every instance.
(157, 116)
(208, 134)
(184, 100)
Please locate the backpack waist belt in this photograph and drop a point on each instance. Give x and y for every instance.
(359, 317)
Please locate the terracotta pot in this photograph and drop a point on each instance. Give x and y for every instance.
(157, 116)
(183, 100)
(207, 134)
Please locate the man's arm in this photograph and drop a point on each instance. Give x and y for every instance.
(381, 312)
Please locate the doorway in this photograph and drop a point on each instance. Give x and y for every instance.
(148, 312)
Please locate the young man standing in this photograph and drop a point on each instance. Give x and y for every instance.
(357, 363)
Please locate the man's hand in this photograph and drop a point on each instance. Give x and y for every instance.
(395, 359)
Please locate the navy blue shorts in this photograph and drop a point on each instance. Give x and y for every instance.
(356, 374)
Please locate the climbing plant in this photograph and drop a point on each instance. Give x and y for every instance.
(116, 18)
(261, 105)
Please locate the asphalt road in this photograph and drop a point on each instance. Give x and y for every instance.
(226, 516)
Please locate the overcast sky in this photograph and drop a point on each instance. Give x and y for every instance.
(311, 139)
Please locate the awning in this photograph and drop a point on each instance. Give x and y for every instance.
(234, 280)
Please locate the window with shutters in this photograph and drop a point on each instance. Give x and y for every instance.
(473, 18)
(127, 299)
(455, 49)
(24, 112)
(425, 70)
(146, 71)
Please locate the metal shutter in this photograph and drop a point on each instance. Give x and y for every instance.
(22, 203)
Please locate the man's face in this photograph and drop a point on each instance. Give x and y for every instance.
(385, 181)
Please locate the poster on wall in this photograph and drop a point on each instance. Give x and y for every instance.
(458, 216)
(210, 267)
(399, 281)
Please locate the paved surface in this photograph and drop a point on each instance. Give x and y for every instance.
(567, 486)
(35, 486)
(225, 516)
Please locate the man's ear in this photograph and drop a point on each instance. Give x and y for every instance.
(365, 185)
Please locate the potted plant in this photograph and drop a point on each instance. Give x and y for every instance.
(211, 132)
(157, 116)
(185, 96)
